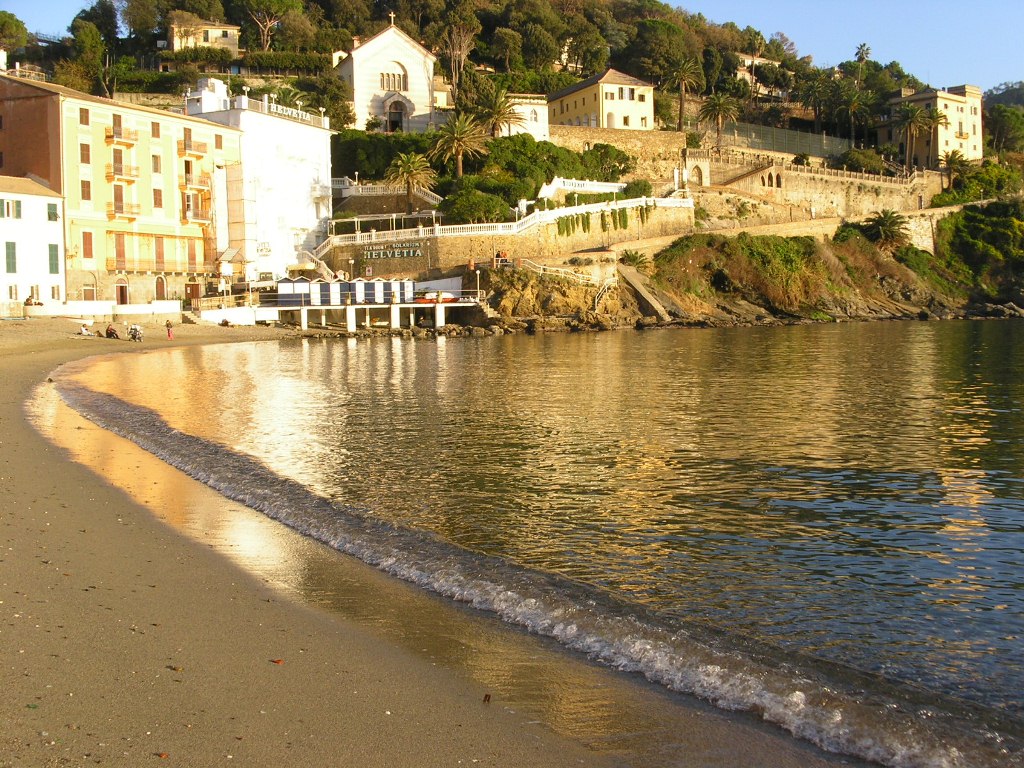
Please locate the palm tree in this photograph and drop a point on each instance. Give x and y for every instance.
(911, 120)
(495, 110)
(814, 94)
(461, 136)
(934, 119)
(720, 109)
(687, 74)
(887, 228)
(956, 166)
(863, 54)
(410, 170)
(855, 104)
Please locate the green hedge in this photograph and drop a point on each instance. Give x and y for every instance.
(199, 55)
(153, 82)
(288, 61)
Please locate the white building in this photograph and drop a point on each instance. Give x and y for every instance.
(32, 234)
(279, 194)
(392, 79)
(533, 109)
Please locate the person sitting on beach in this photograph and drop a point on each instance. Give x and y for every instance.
(84, 330)
(112, 332)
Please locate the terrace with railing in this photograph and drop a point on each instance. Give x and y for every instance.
(346, 187)
(754, 161)
(524, 224)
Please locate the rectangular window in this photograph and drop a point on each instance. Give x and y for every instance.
(206, 35)
(54, 261)
(11, 209)
(84, 154)
(86, 189)
(158, 253)
(632, 94)
(55, 292)
(155, 129)
(625, 121)
(87, 245)
(158, 198)
(119, 249)
(83, 116)
(622, 93)
(610, 95)
(224, 33)
(156, 163)
(51, 211)
(12, 292)
(643, 122)
(642, 97)
(191, 255)
(218, 141)
(12, 259)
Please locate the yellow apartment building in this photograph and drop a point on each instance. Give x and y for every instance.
(609, 100)
(145, 191)
(961, 106)
(205, 34)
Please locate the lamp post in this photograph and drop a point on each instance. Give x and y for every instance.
(478, 286)
(350, 268)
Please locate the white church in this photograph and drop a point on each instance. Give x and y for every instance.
(392, 79)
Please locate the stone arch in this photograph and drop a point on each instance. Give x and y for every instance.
(771, 180)
(762, 181)
(609, 120)
(778, 180)
(160, 288)
(696, 176)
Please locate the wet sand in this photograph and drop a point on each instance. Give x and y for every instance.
(145, 619)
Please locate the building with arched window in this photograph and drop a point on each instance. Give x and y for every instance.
(611, 99)
(392, 80)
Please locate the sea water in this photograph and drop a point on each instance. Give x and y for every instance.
(821, 525)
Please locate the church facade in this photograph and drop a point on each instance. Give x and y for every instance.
(392, 79)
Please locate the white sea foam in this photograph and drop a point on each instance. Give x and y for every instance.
(840, 718)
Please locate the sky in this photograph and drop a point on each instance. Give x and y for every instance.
(942, 42)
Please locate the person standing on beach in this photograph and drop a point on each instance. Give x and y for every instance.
(170, 330)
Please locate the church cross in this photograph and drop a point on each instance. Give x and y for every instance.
(392, 15)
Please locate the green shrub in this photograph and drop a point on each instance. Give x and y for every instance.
(637, 188)
(470, 206)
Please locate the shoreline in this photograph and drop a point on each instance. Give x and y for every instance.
(131, 642)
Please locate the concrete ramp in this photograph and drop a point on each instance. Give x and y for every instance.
(638, 283)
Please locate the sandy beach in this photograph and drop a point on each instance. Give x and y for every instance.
(129, 640)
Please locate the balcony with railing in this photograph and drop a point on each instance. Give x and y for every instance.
(197, 216)
(195, 181)
(164, 265)
(188, 147)
(118, 135)
(962, 135)
(123, 210)
(122, 172)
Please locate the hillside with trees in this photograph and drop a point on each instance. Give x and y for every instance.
(706, 75)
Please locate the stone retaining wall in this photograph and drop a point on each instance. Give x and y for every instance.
(541, 243)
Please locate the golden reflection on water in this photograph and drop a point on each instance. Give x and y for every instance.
(612, 713)
(688, 472)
